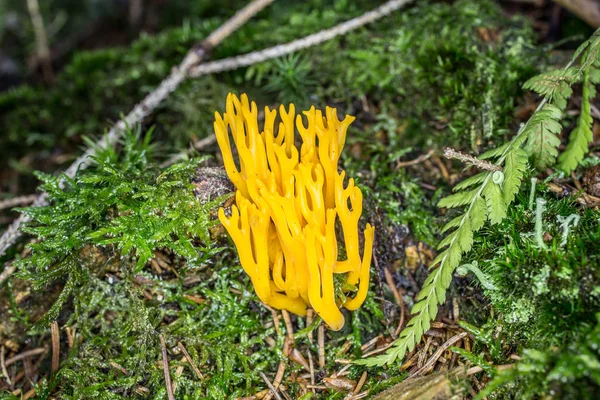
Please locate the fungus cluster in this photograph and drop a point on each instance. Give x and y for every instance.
(287, 204)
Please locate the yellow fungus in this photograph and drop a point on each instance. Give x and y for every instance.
(287, 204)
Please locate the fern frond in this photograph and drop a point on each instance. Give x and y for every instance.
(542, 140)
(555, 85)
(515, 167)
(487, 196)
(581, 136)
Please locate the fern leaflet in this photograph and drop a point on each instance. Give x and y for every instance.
(581, 136)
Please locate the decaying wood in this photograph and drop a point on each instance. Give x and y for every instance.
(429, 387)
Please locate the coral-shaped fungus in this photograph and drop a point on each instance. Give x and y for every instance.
(287, 203)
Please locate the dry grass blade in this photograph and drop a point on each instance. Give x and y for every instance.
(189, 360)
(431, 362)
(3, 366)
(55, 346)
(321, 340)
(273, 391)
(17, 201)
(165, 363)
(25, 354)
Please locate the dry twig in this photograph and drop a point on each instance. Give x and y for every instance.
(25, 354)
(274, 391)
(431, 362)
(189, 360)
(321, 341)
(165, 363)
(418, 160)
(245, 60)
(17, 201)
(3, 366)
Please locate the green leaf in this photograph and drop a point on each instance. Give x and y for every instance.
(555, 85)
(542, 140)
(582, 135)
(478, 213)
(515, 166)
(474, 180)
(458, 199)
(495, 202)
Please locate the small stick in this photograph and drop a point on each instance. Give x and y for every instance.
(25, 354)
(377, 351)
(178, 373)
(474, 370)
(455, 309)
(321, 340)
(423, 352)
(390, 281)
(190, 360)
(70, 336)
(29, 394)
(312, 369)
(417, 160)
(430, 363)
(8, 271)
(360, 383)
(3, 365)
(275, 316)
(274, 391)
(36, 366)
(55, 346)
(370, 343)
(278, 378)
(165, 362)
(468, 159)
(309, 320)
(440, 164)
(343, 371)
(288, 325)
(314, 39)
(119, 368)
(17, 201)
(399, 300)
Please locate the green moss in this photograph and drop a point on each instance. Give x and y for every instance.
(123, 207)
(543, 295)
(543, 302)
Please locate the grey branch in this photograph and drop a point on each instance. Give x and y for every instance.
(146, 106)
(291, 47)
(18, 201)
